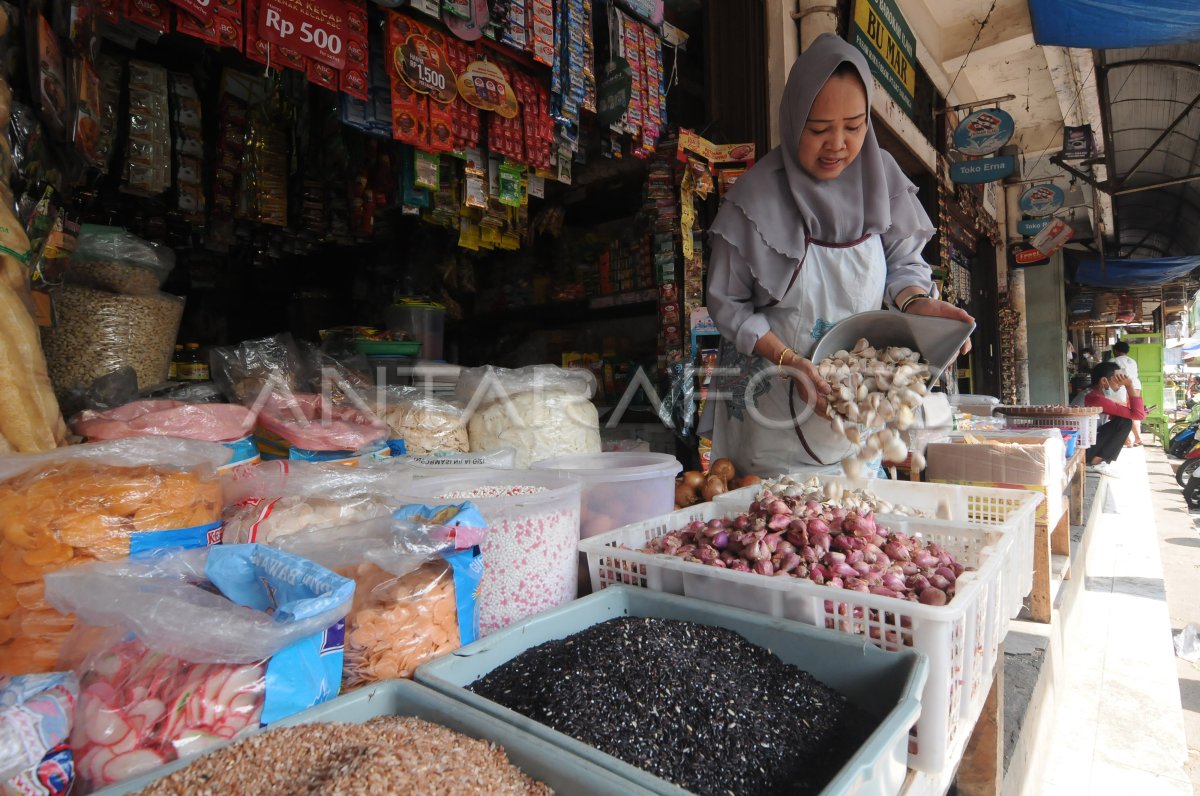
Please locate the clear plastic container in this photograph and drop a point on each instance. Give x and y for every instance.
(529, 553)
(425, 321)
(619, 488)
(976, 405)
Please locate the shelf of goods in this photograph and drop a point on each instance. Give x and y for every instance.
(990, 531)
(885, 685)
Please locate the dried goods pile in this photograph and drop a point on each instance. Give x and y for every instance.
(389, 754)
(876, 393)
(822, 542)
(696, 705)
(833, 493)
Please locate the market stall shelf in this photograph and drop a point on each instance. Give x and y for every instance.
(886, 685)
(960, 638)
(560, 769)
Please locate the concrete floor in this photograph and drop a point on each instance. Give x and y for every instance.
(1121, 726)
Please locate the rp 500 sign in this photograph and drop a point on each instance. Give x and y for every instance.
(315, 28)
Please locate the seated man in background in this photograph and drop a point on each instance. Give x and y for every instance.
(1129, 367)
(1107, 381)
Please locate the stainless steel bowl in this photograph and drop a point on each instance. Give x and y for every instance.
(937, 339)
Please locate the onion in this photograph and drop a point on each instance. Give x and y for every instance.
(694, 479)
(932, 596)
(684, 496)
(723, 469)
(713, 486)
(748, 480)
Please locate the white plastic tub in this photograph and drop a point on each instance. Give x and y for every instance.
(529, 554)
(976, 405)
(961, 639)
(619, 488)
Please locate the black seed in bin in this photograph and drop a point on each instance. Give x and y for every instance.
(696, 705)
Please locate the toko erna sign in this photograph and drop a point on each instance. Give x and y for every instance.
(983, 132)
(983, 169)
(1041, 200)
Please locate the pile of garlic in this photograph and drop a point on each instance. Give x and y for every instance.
(876, 393)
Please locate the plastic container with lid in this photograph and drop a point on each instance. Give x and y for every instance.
(619, 488)
(976, 405)
(424, 320)
(529, 551)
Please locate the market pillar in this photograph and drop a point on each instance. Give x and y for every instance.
(783, 45)
(1046, 320)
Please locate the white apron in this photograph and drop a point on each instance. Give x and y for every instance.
(759, 420)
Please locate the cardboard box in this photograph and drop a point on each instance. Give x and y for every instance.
(1031, 459)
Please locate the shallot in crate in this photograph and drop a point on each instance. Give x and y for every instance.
(959, 571)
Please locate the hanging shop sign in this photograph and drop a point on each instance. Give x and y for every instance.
(1028, 227)
(1022, 255)
(983, 132)
(1079, 143)
(983, 170)
(483, 85)
(1053, 237)
(422, 65)
(1041, 200)
(614, 92)
(881, 34)
(313, 28)
(465, 18)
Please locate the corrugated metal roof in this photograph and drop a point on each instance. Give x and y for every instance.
(1152, 121)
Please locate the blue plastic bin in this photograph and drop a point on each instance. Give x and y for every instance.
(886, 685)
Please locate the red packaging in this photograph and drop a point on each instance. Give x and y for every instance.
(197, 28)
(109, 10)
(410, 110)
(229, 28)
(153, 14)
(289, 59)
(257, 49)
(321, 74)
(353, 79)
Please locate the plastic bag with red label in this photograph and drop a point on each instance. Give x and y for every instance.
(36, 712)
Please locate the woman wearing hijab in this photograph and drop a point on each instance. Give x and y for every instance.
(824, 227)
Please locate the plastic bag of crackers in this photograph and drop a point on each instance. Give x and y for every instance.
(415, 584)
(106, 501)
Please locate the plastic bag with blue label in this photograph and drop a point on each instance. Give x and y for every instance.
(416, 585)
(192, 648)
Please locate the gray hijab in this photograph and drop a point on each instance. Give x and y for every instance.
(775, 207)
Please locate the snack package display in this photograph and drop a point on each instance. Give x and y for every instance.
(423, 424)
(540, 411)
(201, 646)
(108, 258)
(416, 582)
(310, 427)
(96, 502)
(36, 712)
(275, 499)
(208, 422)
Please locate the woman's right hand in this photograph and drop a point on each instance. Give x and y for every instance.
(812, 389)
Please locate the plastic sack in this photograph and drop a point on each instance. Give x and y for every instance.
(96, 502)
(541, 411)
(247, 370)
(224, 640)
(274, 499)
(36, 712)
(423, 424)
(299, 425)
(108, 258)
(98, 332)
(1187, 642)
(415, 589)
(208, 422)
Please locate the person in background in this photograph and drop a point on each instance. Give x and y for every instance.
(1107, 381)
(1129, 367)
(1087, 359)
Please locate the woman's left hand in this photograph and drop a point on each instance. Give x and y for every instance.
(934, 308)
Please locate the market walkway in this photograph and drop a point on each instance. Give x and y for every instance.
(1119, 726)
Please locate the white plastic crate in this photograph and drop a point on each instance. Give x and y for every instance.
(1086, 425)
(961, 639)
(1013, 511)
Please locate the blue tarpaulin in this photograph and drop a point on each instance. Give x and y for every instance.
(1135, 273)
(1106, 24)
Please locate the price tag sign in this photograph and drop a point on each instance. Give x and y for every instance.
(422, 65)
(482, 84)
(315, 28)
(200, 9)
